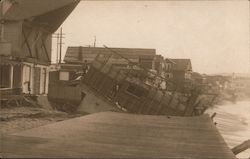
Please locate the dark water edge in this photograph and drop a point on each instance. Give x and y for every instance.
(233, 122)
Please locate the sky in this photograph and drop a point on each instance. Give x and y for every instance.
(213, 34)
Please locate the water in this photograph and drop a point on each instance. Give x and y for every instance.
(233, 122)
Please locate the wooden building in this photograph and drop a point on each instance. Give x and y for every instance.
(180, 72)
(26, 39)
(146, 58)
(81, 54)
(130, 89)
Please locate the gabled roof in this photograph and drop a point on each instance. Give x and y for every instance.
(182, 64)
(121, 135)
(50, 13)
(168, 60)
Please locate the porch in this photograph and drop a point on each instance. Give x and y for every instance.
(19, 78)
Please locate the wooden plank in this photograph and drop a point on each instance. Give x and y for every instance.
(119, 135)
(46, 51)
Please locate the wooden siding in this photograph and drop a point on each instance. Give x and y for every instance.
(13, 34)
(36, 44)
(28, 41)
(5, 49)
(119, 135)
(63, 93)
(104, 79)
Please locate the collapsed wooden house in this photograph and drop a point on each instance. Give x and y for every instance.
(25, 44)
(133, 89)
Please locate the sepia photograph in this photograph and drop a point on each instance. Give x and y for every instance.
(125, 79)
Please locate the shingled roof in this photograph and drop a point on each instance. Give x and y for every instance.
(120, 135)
(79, 53)
(182, 64)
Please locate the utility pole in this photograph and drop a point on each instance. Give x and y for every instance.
(95, 41)
(60, 48)
(1, 22)
(59, 43)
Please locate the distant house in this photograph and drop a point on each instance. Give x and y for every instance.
(198, 78)
(146, 58)
(81, 54)
(26, 39)
(168, 68)
(218, 83)
(181, 70)
(241, 84)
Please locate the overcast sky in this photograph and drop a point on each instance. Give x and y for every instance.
(213, 34)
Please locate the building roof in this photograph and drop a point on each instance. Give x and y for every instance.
(196, 75)
(182, 64)
(51, 13)
(79, 54)
(120, 135)
(169, 60)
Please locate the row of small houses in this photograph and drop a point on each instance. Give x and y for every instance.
(123, 79)
(129, 79)
(177, 71)
(26, 42)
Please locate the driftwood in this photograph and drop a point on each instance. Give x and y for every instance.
(242, 147)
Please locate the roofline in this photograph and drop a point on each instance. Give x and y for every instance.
(110, 48)
(170, 60)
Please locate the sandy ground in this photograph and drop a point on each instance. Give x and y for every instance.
(16, 119)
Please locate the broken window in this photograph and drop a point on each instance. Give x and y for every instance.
(146, 63)
(5, 76)
(135, 90)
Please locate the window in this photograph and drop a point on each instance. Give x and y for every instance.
(135, 90)
(168, 66)
(146, 63)
(187, 76)
(5, 77)
(64, 76)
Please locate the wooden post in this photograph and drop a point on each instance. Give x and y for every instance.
(60, 48)
(242, 147)
(1, 23)
(11, 75)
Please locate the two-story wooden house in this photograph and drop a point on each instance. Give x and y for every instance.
(26, 41)
(179, 71)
